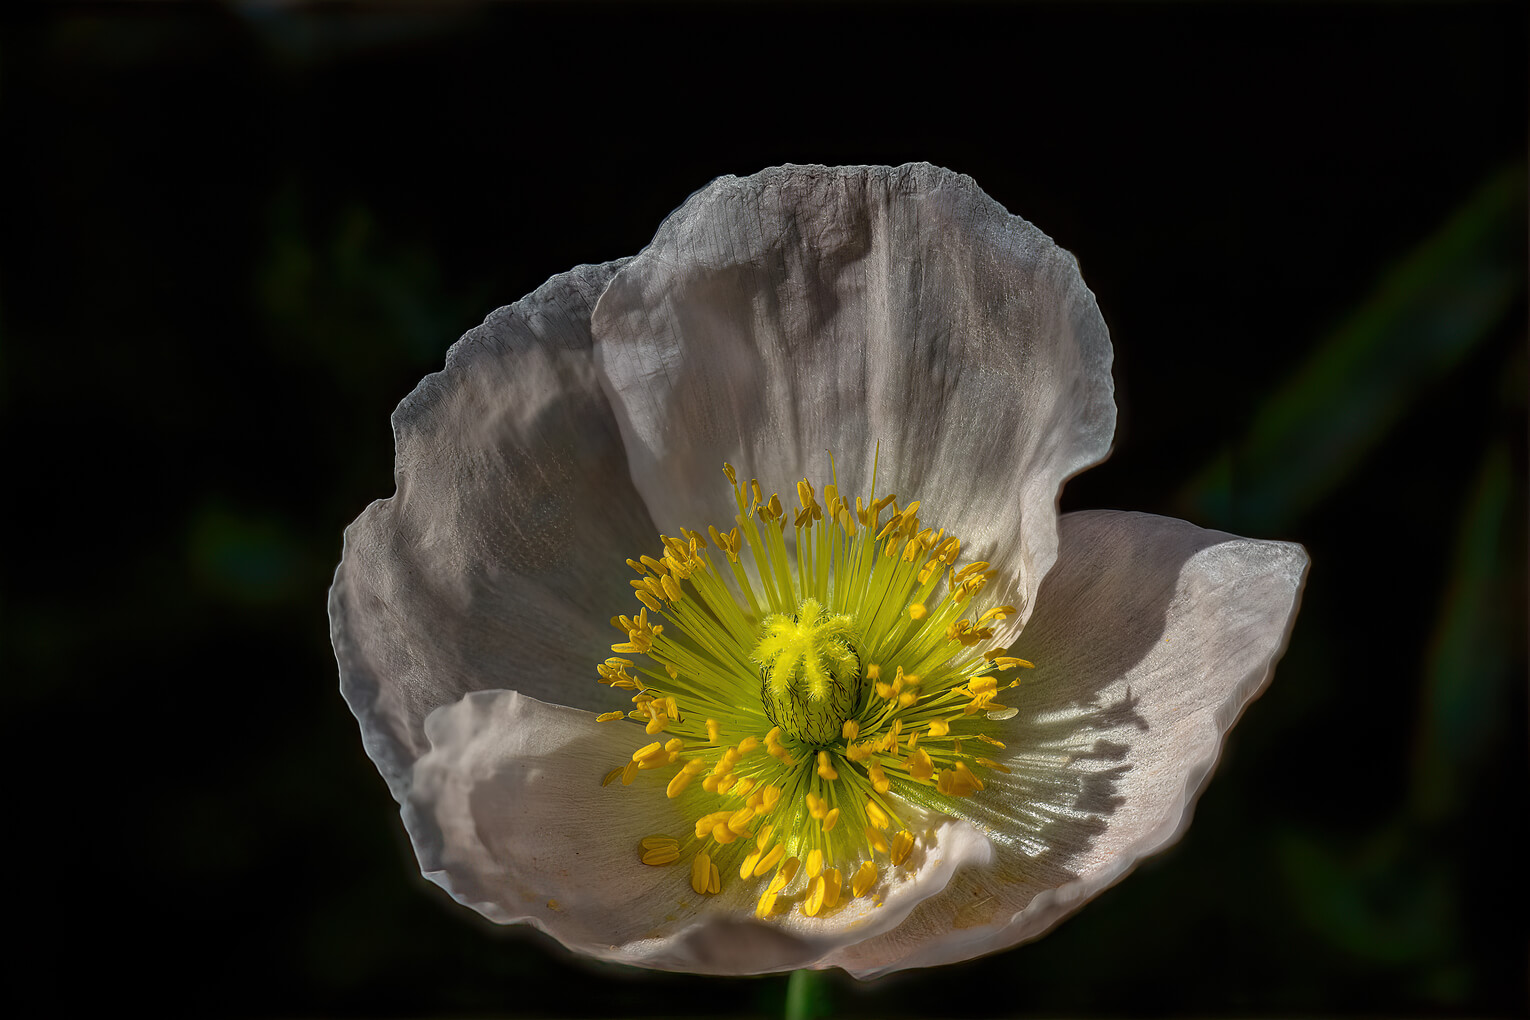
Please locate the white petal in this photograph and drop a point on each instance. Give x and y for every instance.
(1150, 637)
(507, 814)
(805, 311)
(498, 563)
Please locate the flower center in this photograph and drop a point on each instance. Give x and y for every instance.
(818, 698)
(811, 677)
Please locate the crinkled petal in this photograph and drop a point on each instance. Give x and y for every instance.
(497, 564)
(507, 813)
(809, 311)
(1150, 637)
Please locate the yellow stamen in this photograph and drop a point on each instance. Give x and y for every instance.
(704, 877)
(825, 768)
(769, 643)
(770, 859)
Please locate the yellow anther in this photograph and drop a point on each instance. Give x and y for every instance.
(814, 902)
(999, 613)
(754, 488)
(747, 744)
(678, 784)
(772, 794)
(860, 752)
(975, 567)
(652, 603)
(653, 752)
(609, 716)
(917, 611)
(875, 838)
(907, 698)
(629, 773)
(709, 784)
(713, 729)
(674, 746)
(617, 663)
(830, 820)
(728, 470)
(982, 685)
(958, 782)
(747, 868)
(902, 846)
(991, 764)
(1010, 662)
(865, 878)
(879, 780)
(671, 588)
(773, 738)
(874, 671)
(770, 859)
(939, 727)
(985, 738)
(611, 776)
(739, 820)
(705, 823)
(877, 815)
(723, 834)
(672, 707)
(704, 877)
(662, 855)
(814, 863)
(826, 767)
(831, 887)
(767, 903)
(726, 783)
(913, 741)
(920, 766)
(658, 723)
(817, 806)
(762, 838)
(849, 731)
(742, 788)
(785, 874)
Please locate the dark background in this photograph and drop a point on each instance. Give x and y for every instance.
(235, 237)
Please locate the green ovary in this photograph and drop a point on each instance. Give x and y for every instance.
(811, 675)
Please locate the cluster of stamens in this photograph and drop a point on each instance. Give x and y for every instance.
(807, 706)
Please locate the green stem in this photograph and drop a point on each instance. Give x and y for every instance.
(806, 995)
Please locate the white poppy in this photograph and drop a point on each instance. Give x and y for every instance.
(810, 748)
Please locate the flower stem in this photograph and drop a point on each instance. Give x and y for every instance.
(807, 995)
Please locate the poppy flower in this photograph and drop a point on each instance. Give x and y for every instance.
(904, 716)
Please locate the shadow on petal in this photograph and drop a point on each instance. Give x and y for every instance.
(1150, 637)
